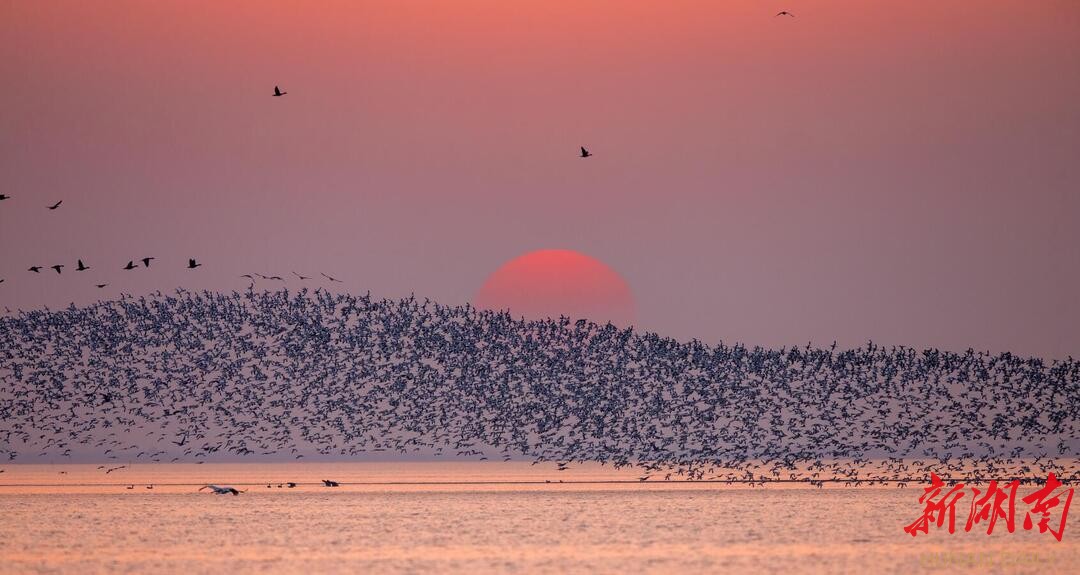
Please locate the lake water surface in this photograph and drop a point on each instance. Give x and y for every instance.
(478, 518)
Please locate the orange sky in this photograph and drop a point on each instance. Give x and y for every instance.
(901, 171)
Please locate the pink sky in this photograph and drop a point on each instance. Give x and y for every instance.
(898, 171)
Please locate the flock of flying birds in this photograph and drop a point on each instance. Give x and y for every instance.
(202, 376)
(194, 376)
(81, 267)
(192, 263)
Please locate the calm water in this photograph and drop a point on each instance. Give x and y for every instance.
(85, 520)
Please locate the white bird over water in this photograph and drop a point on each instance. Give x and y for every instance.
(221, 490)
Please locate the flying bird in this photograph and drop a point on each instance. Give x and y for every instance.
(3, 197)
(784, 13)
(192, 264)
(278, 92)
(101, 285)
(300, 276)
(56, 205)
(35, 269)
(585, 153)
(57, 267)
(82, 267)
(333, 279)
(130, 265)
(146, 262)
(221, 490)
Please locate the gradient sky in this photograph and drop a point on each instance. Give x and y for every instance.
(907, 172)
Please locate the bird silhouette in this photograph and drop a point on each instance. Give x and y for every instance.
(278, 92)
(585, 153)
(99, 286)
(785, 13)
(56, 205)
(35, 269)
(57, 267)
(218, 490)
(301, 277)
(146, 262)
(4, 197)
(130, 265)
(82, 267)
(192, 264)
(333, 279)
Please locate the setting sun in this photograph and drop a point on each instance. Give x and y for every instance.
(550, 283)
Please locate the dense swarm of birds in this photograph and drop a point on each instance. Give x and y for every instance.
(193, 376)
(190, 376)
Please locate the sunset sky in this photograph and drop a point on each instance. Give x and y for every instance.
(907, 172)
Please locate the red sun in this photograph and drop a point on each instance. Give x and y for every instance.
(550, 283)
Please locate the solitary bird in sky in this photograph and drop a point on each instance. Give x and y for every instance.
(58, 267)
(35, 269)
(99, 286)
(221, 490)
(146, 262)
(192, 264)
(82, 267)
(56, 205)
(585, 153)
(130, 265)
(278, 92)
(785, 13)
